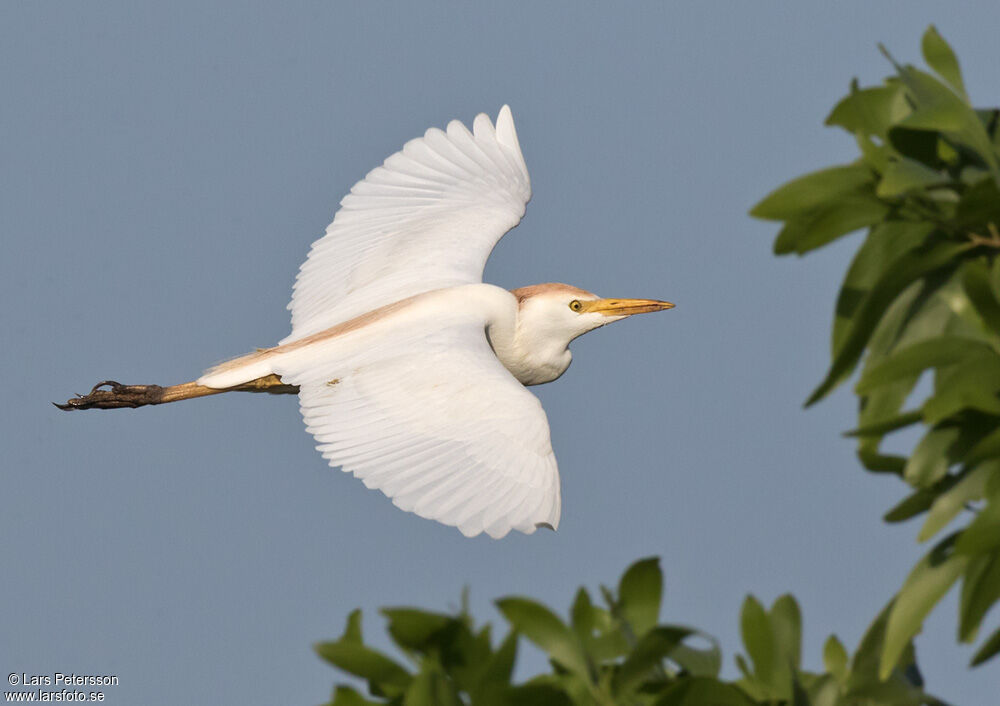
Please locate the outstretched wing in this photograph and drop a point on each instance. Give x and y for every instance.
(435, 422)
(426, 219)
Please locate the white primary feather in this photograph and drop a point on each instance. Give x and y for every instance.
(419, 406)
(428, 218)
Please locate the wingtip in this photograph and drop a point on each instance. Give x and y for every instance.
(507, 135)
(505, 121)
(505, 127)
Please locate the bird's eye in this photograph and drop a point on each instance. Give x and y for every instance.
(575, 305)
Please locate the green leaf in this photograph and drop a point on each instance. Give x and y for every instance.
(993, 488)
(864, 664)
(759, 640)
(951, 502)
(346, 696)
(744, 668)
(415, 629)
(648, 655)
(886, 243)
(349, 654)
(869, 111)
(582, 615)
(876, 462)
(800, 697)
(939, 116)
(922, 146)
(910, 267)
(697, 662)
(545, 629)
(904, 174)
(922, 311)
(979, 288)
(849, 212)
(786, 623)
(911, 506)
(939, 108)
(900, 421)
(825, 691)
(988, 649)
(352, 631)
(703, 691)
(985, 448)
(875, 155)
(914, 359)
(835, 658)
(972, 385)
(930, 460)
(498, 671)
(983, 533)
(640, 592)
(978, 206)
(942, 59)
(948, 156)
(431, 688)
(609, 645)
(806, 193)
(536, 694)
(926, 584)
(936, 105)
(863, 682)
(980, 590)
(383, 674)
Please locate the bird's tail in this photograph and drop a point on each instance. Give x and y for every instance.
(239, 370)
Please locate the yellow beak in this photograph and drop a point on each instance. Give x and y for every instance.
(624, 307)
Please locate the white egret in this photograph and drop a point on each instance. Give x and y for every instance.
(410, 371)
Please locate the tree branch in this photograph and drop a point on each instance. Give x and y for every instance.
(993, 241)
(117, 395)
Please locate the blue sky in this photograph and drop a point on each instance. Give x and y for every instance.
(165, 168)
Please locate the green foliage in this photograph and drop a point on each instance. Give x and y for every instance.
(921, 297)
(618, 653)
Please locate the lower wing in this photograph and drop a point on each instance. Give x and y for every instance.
(435, 422)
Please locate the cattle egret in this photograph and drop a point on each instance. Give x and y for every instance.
(410, 371)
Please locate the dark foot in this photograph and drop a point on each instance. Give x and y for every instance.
(117, 395)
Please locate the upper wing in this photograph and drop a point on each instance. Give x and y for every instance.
(435, 422)
(426, 219)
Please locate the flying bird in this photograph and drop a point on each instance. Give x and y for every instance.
(411, 372)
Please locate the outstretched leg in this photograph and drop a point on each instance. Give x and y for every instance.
(117, 395)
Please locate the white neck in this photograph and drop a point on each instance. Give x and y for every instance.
(530, 358)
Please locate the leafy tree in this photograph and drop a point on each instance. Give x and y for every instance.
(921, 297)
(618, 653)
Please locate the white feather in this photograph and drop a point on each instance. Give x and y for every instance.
(426, 219)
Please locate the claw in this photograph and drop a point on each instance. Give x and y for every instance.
(112, 384)
(116, 396)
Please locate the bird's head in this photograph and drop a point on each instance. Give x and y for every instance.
(563, 312)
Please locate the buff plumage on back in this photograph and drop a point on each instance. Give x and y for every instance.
(427, 218)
